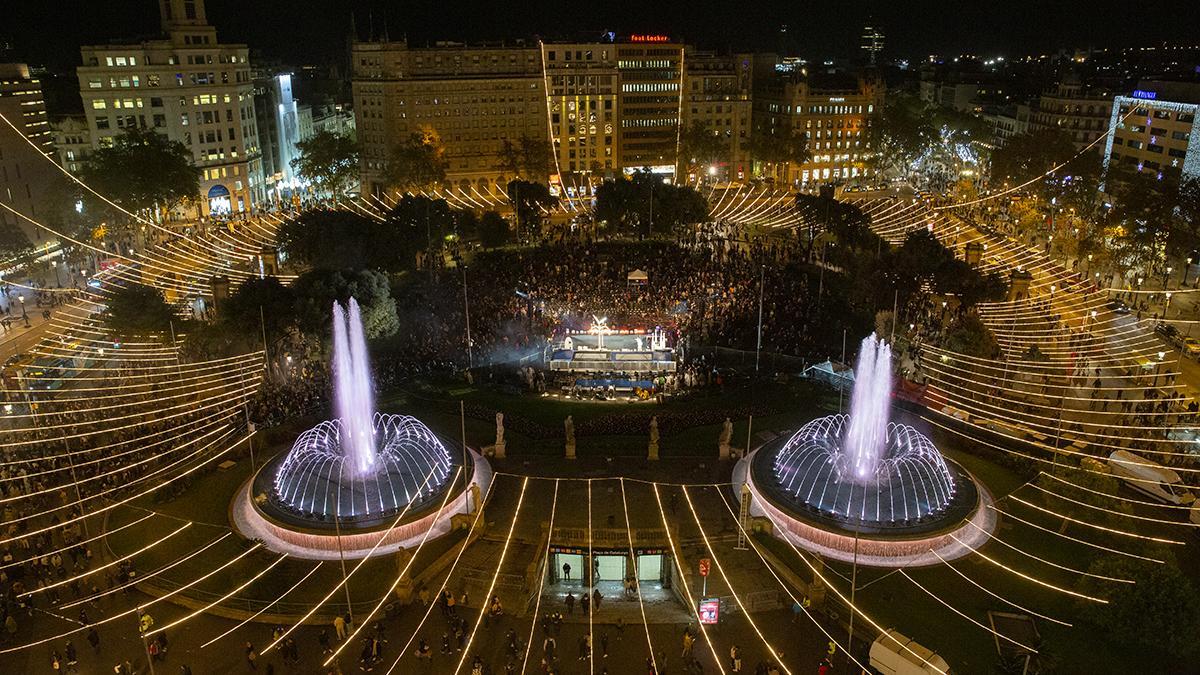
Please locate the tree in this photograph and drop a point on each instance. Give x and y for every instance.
(1144, 214)
(493, 230)
(418, 162)
(774, 148)
(416, 222)
(899, 133)
(142, 170)
(968, 335)
(329, 161)
(530, 200)
(700, 147)
(258, 306)
(138, 310)
(644, 203)
(332, 239)
(535, 157)
(1159, 612)
(1030, 155)
(14, 243)
(316, 291)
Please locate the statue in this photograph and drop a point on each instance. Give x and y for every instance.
(499, 447)
(726, 439)
(652, 454)
(569, 427)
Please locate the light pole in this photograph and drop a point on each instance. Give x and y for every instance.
(1166, 274)
(57, 278)
(1186, 268)
(24, 314)
(467, 314)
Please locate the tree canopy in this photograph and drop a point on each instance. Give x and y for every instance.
(13, 241)
(700, 147)
(493, 230)
(138, 310)
(417, 162)
(644, 204)
(334, 239)
(530, 200)
(1030, 155)
(142, 170)
(329, 161)
(316, 291)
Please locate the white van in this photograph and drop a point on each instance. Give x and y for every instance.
(890, 658)
(1150, 478)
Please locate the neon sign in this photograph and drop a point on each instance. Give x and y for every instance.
(638, 37)
(1138, 93)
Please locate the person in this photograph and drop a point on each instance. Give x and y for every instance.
(567, 571)
(688, 641)
(185, 669)
(251, 657)
(570, 603)
(424, 652)
(596, 596)
(339, 627)
(93, 639)
(323, 640)
(584, 603)
(604, 645)
(825, 668)
(735, 659)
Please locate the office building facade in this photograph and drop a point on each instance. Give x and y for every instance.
(25, 172)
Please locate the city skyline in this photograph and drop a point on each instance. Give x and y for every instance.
(317, 33)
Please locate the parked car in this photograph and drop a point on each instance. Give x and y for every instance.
(1118, 307)
(1191, 346)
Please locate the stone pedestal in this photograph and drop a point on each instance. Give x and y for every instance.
(652, 451)
(724, 450)
(404, 589)
(570, 450)
(497, 450)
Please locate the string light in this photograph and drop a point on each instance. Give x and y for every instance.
(382, 598)
(637, 582)
(537, 604)
(446, 580)
(693, 608)
(721, 570)
(495, 575)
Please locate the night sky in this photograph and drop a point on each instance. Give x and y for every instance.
(304, 31)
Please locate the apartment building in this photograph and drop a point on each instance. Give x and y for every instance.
(191, 88)
(1155, 129)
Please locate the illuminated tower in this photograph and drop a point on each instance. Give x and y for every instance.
(872, 42)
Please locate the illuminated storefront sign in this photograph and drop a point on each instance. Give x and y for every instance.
(1138, 93)
(639, 37)
(709, 610)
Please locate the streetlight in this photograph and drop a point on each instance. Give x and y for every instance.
(1186, 268)
(1165, 275)
(1166, 305)
(24, 315)
(54, 264)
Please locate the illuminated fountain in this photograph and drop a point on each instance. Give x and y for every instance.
(861, 482)
(373, 481)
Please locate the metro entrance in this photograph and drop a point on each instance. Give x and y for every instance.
(568, 566)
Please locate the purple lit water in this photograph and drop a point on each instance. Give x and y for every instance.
(870, 402)
(352, 389)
